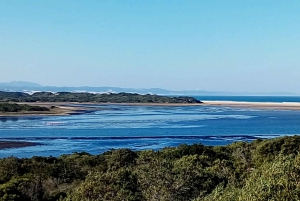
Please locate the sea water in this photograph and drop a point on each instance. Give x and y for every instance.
(146, 127)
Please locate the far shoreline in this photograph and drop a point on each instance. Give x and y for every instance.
(72, 108)
(256, 105)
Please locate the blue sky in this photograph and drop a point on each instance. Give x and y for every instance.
(234, 46)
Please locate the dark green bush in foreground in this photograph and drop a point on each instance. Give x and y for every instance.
(261, 170)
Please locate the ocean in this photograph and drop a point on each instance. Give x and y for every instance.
(149, 127)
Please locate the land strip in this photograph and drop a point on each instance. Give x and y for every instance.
(54, 109)
(256, 105)
(69, 108)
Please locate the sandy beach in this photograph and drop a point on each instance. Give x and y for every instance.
(258, 105)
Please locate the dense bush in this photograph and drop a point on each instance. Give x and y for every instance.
(90, 97)
(260, 170)
(13, 107)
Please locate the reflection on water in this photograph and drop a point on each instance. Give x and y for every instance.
(5, 119)
(143, 127)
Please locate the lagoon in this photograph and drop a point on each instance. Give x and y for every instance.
(142, 127)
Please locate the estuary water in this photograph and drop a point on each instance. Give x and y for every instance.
(145, 127)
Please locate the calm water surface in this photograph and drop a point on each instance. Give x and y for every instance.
(144, 127)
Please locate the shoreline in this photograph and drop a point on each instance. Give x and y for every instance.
(64, 108)
(256, 105)
(71, 108)
(61, 109)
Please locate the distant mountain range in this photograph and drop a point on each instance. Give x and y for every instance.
(29, 87)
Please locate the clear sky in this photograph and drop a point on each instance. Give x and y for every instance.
(234, 46)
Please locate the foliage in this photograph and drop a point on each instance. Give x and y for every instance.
(260, 170)
(276, 180)
(13, 107)
(90, 97)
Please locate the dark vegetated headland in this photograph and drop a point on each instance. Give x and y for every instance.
(13, 107)
(91, 97)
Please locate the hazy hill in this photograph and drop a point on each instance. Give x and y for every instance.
(29, 87)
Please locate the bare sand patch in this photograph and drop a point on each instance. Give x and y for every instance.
(258, 105)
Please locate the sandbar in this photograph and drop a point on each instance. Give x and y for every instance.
(69, 108)
(257, 105)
